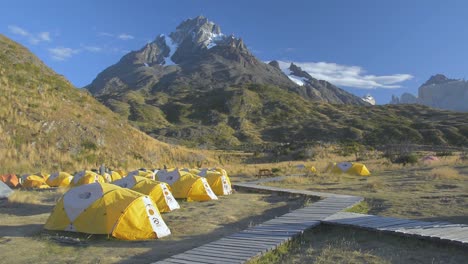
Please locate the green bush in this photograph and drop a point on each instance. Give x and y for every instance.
(409, 158)
(275, 170)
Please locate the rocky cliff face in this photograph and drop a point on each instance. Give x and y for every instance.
(439, 92)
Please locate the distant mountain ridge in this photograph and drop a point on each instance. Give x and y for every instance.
(198, 55)
(201, 88)
(439, 92)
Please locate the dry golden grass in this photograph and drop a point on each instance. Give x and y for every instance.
(444, 173)
(47, 124)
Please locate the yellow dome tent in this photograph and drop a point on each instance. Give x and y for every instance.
(115, 176)
(143, 173)
(160, 192)
(33, 181)
(187, 185)
(103, 208)
(59, 179)
(86, 177)
(218, 181)
(352, 168)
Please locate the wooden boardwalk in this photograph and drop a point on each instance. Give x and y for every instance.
(257, 240)
(456, 233)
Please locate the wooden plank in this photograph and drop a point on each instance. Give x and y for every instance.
(226, 252)
(439, 231)
(405, 227)
(286, 228)
(259, 238)
(209, 260)
(178, 261)
(263, 234)
(247, 245)
(229, 256)
(380, 221)
(246, 240)
(273, 232)
(232, 249)
(384, 223)
(170, 261)
(351, 221)
(239, 246)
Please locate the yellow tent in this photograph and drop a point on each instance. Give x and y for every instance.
(352, 168)
(218, 180)
(187, 185)
(59, 179)
(86, 177)
(115, 176)
(142, 173)
(103, 208)
(33, 181)
(160, 192)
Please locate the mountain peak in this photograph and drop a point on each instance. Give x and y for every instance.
(198, 30)
(437, 79)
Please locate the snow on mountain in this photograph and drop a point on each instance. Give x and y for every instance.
(213, 38)
(284, 66)
(368, 98)
(172, 49)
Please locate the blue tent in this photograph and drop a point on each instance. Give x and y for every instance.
(5, 191)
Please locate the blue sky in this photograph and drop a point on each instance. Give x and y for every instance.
(363, 46)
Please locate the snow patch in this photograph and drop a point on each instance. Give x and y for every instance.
(284, 66)
(172, 47)
(212, 39)
(368, 98)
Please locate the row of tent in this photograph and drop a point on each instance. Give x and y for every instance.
(129, 206)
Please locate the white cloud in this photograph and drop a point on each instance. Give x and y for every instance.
(349, 76)
(61, 53)
(32, 38)
(92, 48)
(18, 31)
(105, 34)
(44, 36)
(124, 36)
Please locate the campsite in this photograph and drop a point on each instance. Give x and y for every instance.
(179, 132)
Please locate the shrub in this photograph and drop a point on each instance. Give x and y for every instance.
(409, 158)
(275, 170)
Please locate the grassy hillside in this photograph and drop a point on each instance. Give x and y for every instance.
(46, 123)
(257, 115)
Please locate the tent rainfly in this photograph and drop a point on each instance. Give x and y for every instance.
(103, 208)
(160, 192)
(351, 168)
(186, 185)
(86, 177)
(218, 180)
(59, 179)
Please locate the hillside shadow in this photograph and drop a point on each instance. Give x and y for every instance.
(25, 209)
(20, 230)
